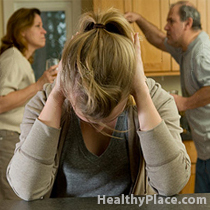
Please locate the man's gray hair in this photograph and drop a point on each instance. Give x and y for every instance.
(186, 11)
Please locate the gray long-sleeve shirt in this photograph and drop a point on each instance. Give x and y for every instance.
(195, 74)
(158, 159)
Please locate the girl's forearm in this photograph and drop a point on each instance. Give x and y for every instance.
(147, 113)
(51, 113)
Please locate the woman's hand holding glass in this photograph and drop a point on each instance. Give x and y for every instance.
(49, 75)
(57, 92)
(51, 62)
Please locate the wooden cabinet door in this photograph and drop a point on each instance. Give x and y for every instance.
(155, 11)
(121, 5)
(156, 62)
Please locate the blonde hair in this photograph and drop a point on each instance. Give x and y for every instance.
(99, 64)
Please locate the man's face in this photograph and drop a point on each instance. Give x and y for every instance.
(175, 28)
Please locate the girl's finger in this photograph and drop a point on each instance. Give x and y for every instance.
(136, 41)
(132, 37)
(137, 44)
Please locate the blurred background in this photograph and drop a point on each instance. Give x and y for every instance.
(60, 19)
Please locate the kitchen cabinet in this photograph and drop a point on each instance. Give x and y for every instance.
(121, 5)
(156, 62)
(191, 150)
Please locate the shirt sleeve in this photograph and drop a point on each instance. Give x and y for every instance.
(32, 170)
(167, 162)
(201, 69)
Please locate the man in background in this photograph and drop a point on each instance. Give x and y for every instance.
(190, 47)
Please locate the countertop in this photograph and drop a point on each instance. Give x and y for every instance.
(178, 202)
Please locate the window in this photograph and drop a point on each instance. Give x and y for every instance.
(55, 25)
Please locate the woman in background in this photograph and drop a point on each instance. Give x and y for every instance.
(92, 140)
(24, 35)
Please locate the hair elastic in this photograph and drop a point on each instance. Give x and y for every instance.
(99, 25)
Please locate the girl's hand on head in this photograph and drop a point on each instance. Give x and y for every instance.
(148, 115)
(139, 84)
(57, 91)
(52, 111)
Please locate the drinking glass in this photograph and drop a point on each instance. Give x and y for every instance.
(173, 92)
(51, 62)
